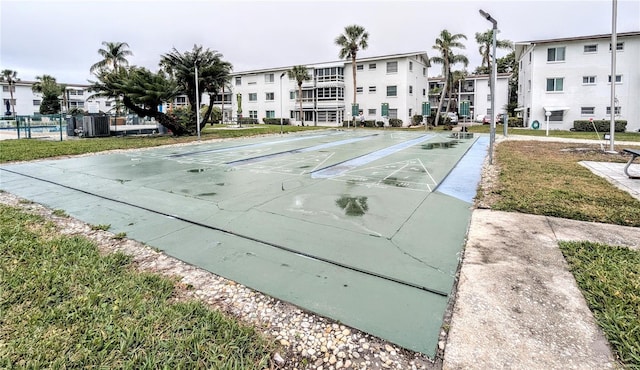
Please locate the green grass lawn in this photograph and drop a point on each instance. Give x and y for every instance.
(618, 136)
(609, 278)
(63, 305)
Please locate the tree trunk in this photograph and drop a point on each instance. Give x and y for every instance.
(13, 106)
(300, 100)
(222, 118)
(165, 120)
(353, 71)
(207, 114)
(444, 90)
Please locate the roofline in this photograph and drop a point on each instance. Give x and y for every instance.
(337, 62)
(577, 38)
(27, 82)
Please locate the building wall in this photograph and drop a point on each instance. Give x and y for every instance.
(27, 102)
(586, 90)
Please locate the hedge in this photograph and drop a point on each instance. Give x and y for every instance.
(515, 122)
(275, 121)
(247, 121)
(601, 125)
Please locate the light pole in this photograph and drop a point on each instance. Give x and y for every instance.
(492, 135)
(614, 51)
(281, 98)
(198, 104)
(547, 114)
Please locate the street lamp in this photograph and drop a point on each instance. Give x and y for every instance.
(547, 114)
(198, 104)
(494, 70)
(281, 98)
(614, 50)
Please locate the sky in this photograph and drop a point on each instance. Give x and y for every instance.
(62, 38)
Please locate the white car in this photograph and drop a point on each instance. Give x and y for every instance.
(453, 117)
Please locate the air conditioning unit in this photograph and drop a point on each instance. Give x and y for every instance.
(95, 126)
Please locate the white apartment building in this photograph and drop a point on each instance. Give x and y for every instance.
(476, 89)
(571, 78)
(27, 102)
(400, 80)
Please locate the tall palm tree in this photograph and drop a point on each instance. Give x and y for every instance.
(51, 91)
(300, 74)
(447, 58)
(351, 41)
(213, 74)
(114, 55)
(485, 43)
(11, 77)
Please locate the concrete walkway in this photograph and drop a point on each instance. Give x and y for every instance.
(518, 306)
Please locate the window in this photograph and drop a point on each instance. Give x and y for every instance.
(71, 92)
(6, 88)
(372, 66)
(488, 97)
(270, 114)
(372, 112)
(330, 74)
(269, 96)
(359, 90)
(556, 115)
(410, 89)
(618, 110)
(618, 78)
(372, 89)
(238, 81)
(80, 104)
(392, 90)
(253, 96)
(589, 80)
(424, 71)
(619, 46)
(253, 114)
(392, 67)
(587, 111)
(592, 48)
(360, 67)
(268, 78)
(530, 57)
(330, 93)
(410, 66)
(529, 85)
(554, 84)
(393, 113)
(180, 100)
(80, 92)
(293, 95)
(555, 54)
(107, 104)
(36, 102)
(252, 83)
(424, 92)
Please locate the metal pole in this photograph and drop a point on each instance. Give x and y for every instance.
(614, 51)
(198, 104)
(492, 135)
(281, 98)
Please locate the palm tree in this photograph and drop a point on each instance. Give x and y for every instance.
(353, 39)
(485, 42)
(300, 74)
(447, 58)
(213, 74)
(114, 56)
(11, 77)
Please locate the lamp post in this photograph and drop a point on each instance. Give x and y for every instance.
(547, 114)
(492, 135)
(281, 98)
(614, 51)
(198, 104)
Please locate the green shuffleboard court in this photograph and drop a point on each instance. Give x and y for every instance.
(365, 227)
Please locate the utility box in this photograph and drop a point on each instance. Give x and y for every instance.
(95, 126)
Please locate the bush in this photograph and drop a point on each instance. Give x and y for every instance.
(380, 123)
(247, 121)
(395, 122)
(416, 120)
(601, 125)
(275, 121)
(515, 122)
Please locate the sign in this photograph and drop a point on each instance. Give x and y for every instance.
(355, 111)
(385, 109)
(426, 109)
(464, 108)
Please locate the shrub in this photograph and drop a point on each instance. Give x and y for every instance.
(247, 121)
(395, 122)
(601, 125)
(515, 122)
(380, 123)
(416, 120)
(275, 121)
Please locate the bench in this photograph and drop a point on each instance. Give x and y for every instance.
(634, 154)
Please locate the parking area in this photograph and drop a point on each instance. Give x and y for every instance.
(365, 227)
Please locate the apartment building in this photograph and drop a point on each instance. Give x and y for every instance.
(571, 79)
(399, 80)
(27, 102)
(476, 89)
